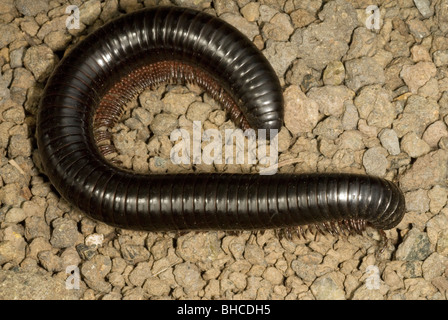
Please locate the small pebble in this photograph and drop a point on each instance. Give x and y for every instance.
(424, 7)
(417, 75)
(188, 276)
(375, 161)
(95, 239)
(65, 233)
(434, 133)
(41, 61)
(301, 113)
(417, 201)
(414, 146)
(415, 247)
(427, 171)
(363, 71)
(334, 73)
(389, 140)
(95, 270)
(324, 288)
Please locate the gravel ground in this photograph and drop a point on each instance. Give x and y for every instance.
(366, 91)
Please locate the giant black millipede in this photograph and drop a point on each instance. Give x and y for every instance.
(90, 87)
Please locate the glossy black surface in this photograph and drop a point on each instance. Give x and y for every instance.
(194, 201)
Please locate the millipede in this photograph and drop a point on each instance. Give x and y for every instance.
(89, 89)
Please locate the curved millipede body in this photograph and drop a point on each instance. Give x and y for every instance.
(89, 89)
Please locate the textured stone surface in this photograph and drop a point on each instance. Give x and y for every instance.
(356, 100)
(33, 286)
(301, 112)
(417, 75)
(415, 247)
(427, 171)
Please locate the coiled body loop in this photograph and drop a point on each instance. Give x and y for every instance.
(90, 87)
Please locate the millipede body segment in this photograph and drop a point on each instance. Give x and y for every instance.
(89, 89)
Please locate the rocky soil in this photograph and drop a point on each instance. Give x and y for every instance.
(365, 90)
